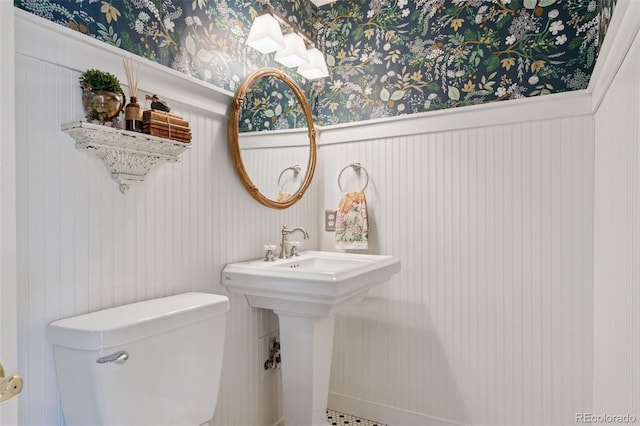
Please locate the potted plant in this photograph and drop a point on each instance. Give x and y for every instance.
(102, 96)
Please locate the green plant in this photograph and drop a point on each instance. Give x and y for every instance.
(100, 80)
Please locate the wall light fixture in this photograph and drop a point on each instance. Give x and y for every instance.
(293, 49)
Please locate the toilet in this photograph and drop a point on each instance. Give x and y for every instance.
(154, 363)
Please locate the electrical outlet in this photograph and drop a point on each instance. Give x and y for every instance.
(329, 220)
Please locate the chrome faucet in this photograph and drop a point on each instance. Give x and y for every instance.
(284, 254)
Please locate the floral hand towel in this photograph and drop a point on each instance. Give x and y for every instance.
(283, 196)
(352, 230)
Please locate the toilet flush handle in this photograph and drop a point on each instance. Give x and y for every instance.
(118, 357)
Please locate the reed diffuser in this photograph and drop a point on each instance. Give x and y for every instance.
(132, 111)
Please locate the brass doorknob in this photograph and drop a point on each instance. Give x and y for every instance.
(9, 386)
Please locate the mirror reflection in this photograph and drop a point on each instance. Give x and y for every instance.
(272, 139)
(277, 170)
(270, 104)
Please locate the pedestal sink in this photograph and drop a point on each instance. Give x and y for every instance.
(306, 292)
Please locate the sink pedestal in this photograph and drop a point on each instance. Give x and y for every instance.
(306, 292)
(306, 343)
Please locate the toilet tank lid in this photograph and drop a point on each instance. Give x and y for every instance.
(127, 323)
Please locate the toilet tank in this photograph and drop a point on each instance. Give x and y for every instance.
(156, 362)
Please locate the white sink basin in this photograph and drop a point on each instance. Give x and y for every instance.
(322, 263)
(306, 292)
(316, 282)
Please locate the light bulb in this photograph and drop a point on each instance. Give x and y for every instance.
(295, 52)
(265, 35)
(316, 68)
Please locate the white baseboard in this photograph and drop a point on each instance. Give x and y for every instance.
(383, 413)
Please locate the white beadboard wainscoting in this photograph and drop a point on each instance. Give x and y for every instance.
(491, 317)
(84, 246)
(617, 241)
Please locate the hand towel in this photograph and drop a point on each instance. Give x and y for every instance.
(284, 196)
(352, 230)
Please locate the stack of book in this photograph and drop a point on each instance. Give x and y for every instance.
(166, 125)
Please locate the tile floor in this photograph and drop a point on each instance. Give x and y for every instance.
(341, 419)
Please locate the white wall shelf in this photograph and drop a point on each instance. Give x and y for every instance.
(128, 155)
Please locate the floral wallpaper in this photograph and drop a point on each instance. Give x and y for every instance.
(385, 57)
(393, 57)
(270, 105)
(201, 38)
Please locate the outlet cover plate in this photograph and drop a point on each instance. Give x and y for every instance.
(329, 220)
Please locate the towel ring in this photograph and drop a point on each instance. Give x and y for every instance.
(356, 168)
(296, 171)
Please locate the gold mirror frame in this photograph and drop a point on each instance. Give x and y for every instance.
(234, 139)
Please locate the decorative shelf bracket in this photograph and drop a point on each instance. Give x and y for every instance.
(128, 155)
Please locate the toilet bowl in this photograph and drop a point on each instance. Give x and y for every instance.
(154, 363)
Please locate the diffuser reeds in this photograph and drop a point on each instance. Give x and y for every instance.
(132, 78)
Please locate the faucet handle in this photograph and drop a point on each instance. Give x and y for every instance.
(269, 256)
(295, 248)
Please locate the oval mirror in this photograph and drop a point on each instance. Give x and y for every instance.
(272, 138)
